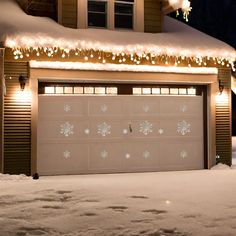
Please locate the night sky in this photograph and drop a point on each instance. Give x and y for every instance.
(218, 19)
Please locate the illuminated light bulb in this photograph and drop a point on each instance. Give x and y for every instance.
(113, 58)
(27, 54)
(37, 54)
(76, 53)
(166, 63)
(91, 55)
(123, 59)
(16, 57)
(120, 60)
(85, 58)
(153, 62)
(99, 58)
(122, 54)
(21, 56)
(63, 55)
(147, 57)
(103, 61)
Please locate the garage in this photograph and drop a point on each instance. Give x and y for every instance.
(115, 128)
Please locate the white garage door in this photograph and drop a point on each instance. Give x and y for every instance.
(111, 134)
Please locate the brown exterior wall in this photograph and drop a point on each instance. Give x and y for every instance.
(67, 13)
(17, 121)
(1, 106)
(223, 119)
(153, 16)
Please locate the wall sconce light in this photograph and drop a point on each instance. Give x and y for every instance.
(221, 87)
(22, 80)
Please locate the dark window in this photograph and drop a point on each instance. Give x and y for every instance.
(97, 14)
(124, 14)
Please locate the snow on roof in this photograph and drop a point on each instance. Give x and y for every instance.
(19, 30)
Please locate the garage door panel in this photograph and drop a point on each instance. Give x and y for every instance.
(62, 130)
(181, 106)
(105, 157)
(143, 128)
(63, 159)
(181, 155)
(145, 107)
(181, 127)
(140, 156)
(105, 106)
(53, 108)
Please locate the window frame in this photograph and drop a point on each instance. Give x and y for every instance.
(138, 10)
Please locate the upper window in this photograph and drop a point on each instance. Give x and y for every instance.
(97, 13)
(124, 10)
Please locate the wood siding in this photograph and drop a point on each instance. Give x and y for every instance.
(68, 13)
(1, 106)
(223, 119)
(17, 121)
(152, 16)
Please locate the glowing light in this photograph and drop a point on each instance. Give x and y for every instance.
(23, 96)
(121, 67)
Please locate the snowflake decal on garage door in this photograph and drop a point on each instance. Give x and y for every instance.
(67, 129)
(145, 127)
(66, 154)
(183, 154)
(146, 154)
(104, 129)
(104, 154)
(183, 127)
(67, 108)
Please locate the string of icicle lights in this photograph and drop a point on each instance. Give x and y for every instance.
(121, 57)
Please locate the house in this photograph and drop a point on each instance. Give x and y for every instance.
(112, 86)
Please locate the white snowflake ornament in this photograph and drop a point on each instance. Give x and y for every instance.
(104, 108)
(67, 129)
(66, 154)
(67, 108)
(145, 127)
(104, 154)
(183, 127)
(183, 154)
(104, 129)
(146, 154)
(146, 108)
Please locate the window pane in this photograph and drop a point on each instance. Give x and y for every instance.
(88, 90)
(96, 6)
(59, 90)
(121, 8)
(111, 90)
(68, 89)
(191, 91)
(123, 15)
(174, 91)
(183, 91)
(156, 91)
(97, 20)
(49, 90)
(97, 14)
(125, 22)
(146, 90)
(100, 90)
(164, 90)
(137, 91)
(79, 90)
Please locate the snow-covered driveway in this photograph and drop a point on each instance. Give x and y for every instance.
(196, 203)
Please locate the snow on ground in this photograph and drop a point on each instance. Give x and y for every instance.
(187, 203)
(234, 150)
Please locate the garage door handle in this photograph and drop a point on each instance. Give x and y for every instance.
(130, 128)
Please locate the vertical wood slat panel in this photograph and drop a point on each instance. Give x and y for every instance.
(69, 13)
(152, 16)
(223, 119)
(17, 122)
(1, 106)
